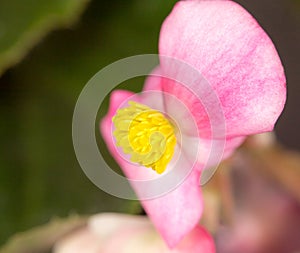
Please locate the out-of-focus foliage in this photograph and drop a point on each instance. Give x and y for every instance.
(23, 23)
(40, 176)
(41, 239)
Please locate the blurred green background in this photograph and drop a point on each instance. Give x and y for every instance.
(48, 51)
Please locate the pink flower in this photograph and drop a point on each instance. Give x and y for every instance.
(120, 233)
(239, 61)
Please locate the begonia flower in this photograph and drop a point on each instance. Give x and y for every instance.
(226, 45)
(121, 233)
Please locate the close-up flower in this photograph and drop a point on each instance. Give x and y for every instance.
(149, 126)
(226, 45)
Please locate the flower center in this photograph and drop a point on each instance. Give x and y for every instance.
(146, 134)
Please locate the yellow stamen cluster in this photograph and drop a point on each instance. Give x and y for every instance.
(146, 134)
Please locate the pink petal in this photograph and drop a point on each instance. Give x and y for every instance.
(197, 241)
(135, 234)
(185, 116)
(235, 55)
(195, 106)
(117, 97)
(211, 150)
(153, 81)
(174, 214)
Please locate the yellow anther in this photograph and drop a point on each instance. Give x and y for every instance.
(146, 134)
